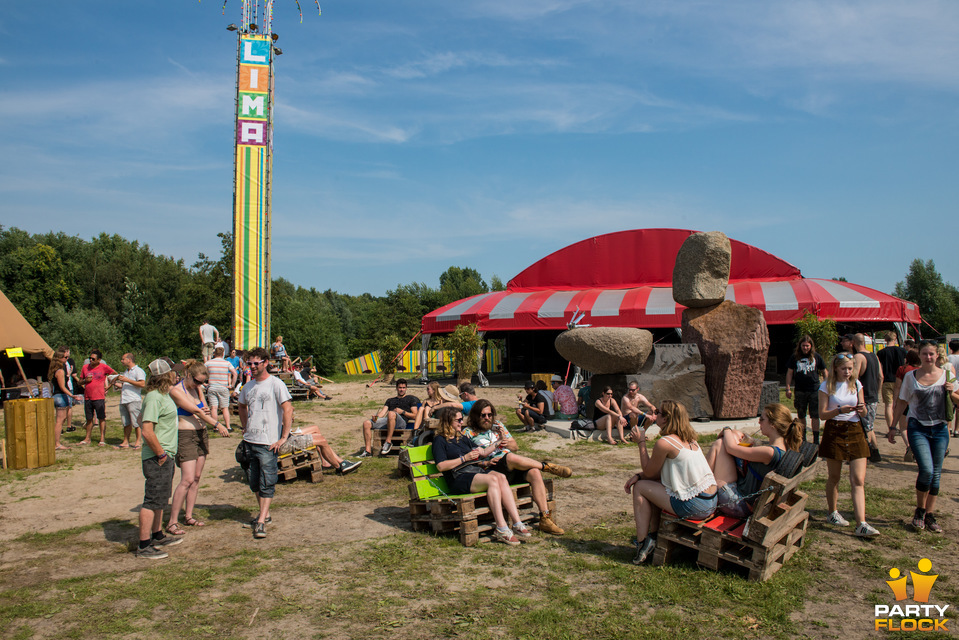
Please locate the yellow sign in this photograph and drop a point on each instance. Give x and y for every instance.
(16, 352)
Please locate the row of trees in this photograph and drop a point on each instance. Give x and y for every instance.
(117, 295)
(114, 294)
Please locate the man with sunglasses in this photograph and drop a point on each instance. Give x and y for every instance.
(498, 453)
(265, 407)
(93, 376)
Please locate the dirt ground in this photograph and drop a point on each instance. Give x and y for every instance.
(104, 487)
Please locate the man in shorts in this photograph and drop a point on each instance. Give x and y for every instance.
(870, 375)
(266, 417)
(393, 415)
(94, 379)
(805, 370)
(890, 357)
(131, 382)
(222, 378)
(209, 336)
(633, 403)
(160, 435)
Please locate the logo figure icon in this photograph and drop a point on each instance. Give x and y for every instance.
(921, 584)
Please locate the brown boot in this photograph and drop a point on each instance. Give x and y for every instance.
(557, 470)
(546, 524)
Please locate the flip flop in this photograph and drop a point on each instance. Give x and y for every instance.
(62, 448)
(175, 529)
(136, 446)
(193, 522)
(122, 446)
(101, 444)
(84, 444)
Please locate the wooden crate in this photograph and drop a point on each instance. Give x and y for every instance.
(289, 465)
(29, 432)
(761, 543)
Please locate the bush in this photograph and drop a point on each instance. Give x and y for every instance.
(823, 332)
(464, 342)
(82, 330)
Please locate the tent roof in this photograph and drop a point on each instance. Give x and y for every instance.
(15, 331)
(597, 276)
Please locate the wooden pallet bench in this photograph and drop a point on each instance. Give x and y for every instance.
(308, 460)
(434, 509)
(761, 543)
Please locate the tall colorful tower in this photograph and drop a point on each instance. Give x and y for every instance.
(253, 166)
(253, 163)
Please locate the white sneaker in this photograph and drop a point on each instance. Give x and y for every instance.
(387, 447)
(865, 530)
(521, 531)
(838, 520)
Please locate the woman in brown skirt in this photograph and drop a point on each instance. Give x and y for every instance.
(841, 405)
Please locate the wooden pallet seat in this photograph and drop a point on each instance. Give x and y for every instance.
(433, 507)
(761, 543)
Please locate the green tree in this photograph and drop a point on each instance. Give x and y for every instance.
(457, 283)
(938, 301)
(495, 284)
(464, 342)
(82, 330)
(33, 277)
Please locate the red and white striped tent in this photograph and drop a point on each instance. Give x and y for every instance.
(624, 279)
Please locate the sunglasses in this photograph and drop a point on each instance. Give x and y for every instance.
(844, 356)
(608, 393)
(203, 381)
(457, 419)
(486, 415)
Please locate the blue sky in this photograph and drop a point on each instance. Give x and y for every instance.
(412, 135)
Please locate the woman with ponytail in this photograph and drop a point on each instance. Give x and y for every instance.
(740, 464)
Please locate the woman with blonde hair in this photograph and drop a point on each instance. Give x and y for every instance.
(841, 404)
(193, 442)
(676, 477)
(433, 400)
(456, 457)
(740, 464)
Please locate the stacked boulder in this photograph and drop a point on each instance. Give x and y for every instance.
(733, 339)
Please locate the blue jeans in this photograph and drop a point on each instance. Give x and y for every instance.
(698, 507)
(262, 469)
(929, 445)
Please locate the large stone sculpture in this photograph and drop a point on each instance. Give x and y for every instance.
(605, 349)
(734, 342)
(701, 272)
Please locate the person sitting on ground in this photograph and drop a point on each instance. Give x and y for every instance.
(278, 351)
(545, 391)
(532, 407)
(498, 449)
(394, 414)
(341, 465)
(739, 464)
(676, 477)
(564, 396)
(303, 377)
(582, 398)
(456, 458)
(632, 405)
(606, 413)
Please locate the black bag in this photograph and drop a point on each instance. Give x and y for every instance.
(242, 455)
(581, 425)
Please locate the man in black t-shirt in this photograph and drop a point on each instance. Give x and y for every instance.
(392, 415)
(891, 357)
(532, 410)
(870, 375)
(806, 368)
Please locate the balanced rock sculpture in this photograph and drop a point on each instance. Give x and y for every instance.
(606, 349)
(701, 272)
(734, 343)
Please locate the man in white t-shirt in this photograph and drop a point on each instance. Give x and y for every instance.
(265, 408)
(222, 378)
(130, 383)
(209, 336)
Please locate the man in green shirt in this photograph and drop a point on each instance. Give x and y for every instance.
(160, 439)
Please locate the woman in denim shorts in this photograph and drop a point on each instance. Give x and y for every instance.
(740, 465)
(676, 477)
(62, 398)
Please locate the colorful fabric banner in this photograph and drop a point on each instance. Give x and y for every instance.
(438, 362)
(251, 192)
